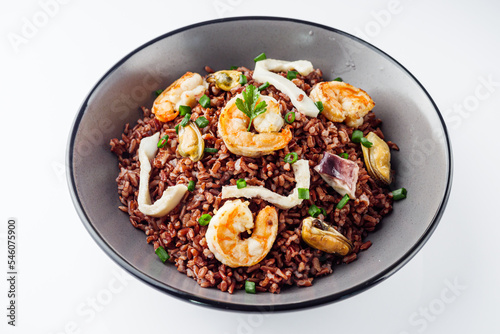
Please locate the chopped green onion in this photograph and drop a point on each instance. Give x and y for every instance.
(343, 202)
(263, 86)
(158, 92)
(211, 150)
(204, 219)
(356, 136)
(314, 211)
(323, 211)
(319, 104)
(185, 120)
(162, 254)
(205, 101)
(344, 155)
(191, 185)
(241, 183)
(291, 75)
(260, 57)
(290, 117)
(163, 141)
(291, 157)
(183, 110)
(201, 122)
(303, 193)
(234, 68)
(249, 287)
(366, 143)
(243, 79)
(338, 79)
(177, 128)
(399, 194)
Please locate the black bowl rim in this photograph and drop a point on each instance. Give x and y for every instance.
(234, 306)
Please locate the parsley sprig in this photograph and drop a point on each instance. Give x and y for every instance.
(249, 105)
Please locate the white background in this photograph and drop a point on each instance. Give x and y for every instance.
(68, 285)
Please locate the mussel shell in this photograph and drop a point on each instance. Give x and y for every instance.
(225, 80)
(378, 159)
(191, 143)
(324, 237)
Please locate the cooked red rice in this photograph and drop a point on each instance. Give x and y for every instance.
(290, 261)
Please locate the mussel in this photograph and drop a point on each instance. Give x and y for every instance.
(318, 234)
(378, 159)
(225, 80)
(191, 144)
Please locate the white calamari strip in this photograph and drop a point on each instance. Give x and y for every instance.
(302, 179)
(170, 197)
(299, 98)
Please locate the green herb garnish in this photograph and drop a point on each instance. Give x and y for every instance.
(162, 254)
(399, 194)
(241, 183)
(249, 105)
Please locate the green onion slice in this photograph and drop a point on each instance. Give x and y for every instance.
(241, 183)
(211, 150)
(177, 128)
(201, 122)
(303, 193)
(314, 211)
(291, 157)
(243, 79)
(191, 185)
(344, 155)
(291, 75)
(162, 254)
(290, 117)
(249, 287)
(366, 143)
(319, 104)
(338, 79)
(183, 110)
(234, 68)
(260, 57)
(343, 202)
(163, 141)
(263, 86)
(204, 219)
(158, 92)
(205, 101)
(399, 194)
(185, 120)
(356, 136)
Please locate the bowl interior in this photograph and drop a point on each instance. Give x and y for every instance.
(409, 116)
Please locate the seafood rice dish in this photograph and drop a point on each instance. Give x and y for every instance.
(256, 179)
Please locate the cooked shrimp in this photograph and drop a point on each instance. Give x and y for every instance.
(342, 101)
(233, 124)
(232, 219)
(271, 120)
(184, 91)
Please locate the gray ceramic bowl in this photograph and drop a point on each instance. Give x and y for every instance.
(411, 119)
